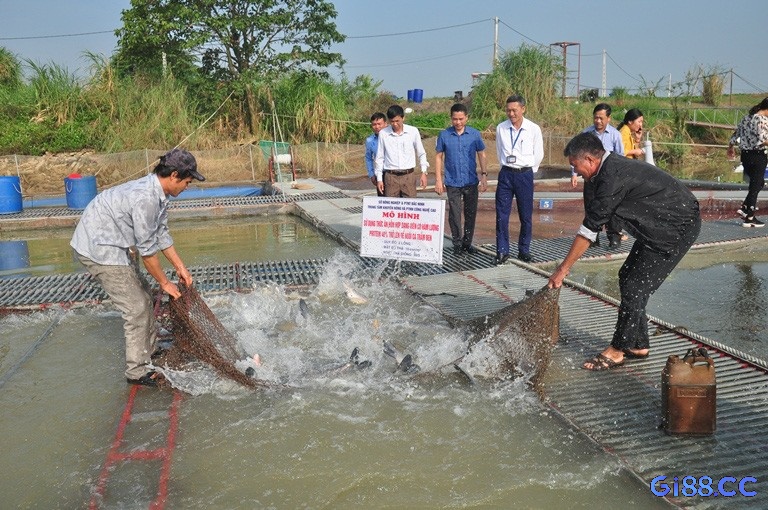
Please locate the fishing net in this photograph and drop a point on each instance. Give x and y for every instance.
(516, 340)
(198, 335)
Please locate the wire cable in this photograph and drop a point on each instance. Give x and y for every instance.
(55, 36)
(417, 31)
(429, 59)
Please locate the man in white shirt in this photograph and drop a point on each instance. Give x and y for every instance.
(520, 149)
(399, 145)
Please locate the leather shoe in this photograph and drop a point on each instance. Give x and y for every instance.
(471, 250)
(525, 257)
(614, 243)
(457, 251)
(151, 378)
(501, 258)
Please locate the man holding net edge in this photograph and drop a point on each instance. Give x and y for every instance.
(125, 222)
(657, 209)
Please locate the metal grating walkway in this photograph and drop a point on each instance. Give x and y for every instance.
(78, 289)
(180, 205)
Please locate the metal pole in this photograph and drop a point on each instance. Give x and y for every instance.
(730, 91)
(250, 157)
(604, 91)
(496, 41)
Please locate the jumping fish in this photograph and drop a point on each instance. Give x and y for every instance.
(353, 295)
(353, 362)
(404, 361)
(303, 308)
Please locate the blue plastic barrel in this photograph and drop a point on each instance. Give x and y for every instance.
(79, 191)
(13, 255)
(418, 95)
(410, 95)
(10, 194)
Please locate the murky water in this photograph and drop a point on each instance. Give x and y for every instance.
(350, 439)
(357, 438)
(199, 242)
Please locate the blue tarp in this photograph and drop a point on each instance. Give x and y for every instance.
(193, 193)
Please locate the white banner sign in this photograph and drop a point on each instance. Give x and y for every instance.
(403, 229)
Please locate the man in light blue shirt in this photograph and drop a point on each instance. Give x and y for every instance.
(378, 122)
(458, 149)
(129, 220)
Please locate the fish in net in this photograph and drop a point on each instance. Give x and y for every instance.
(519, 338)
(199, 335)
(514, 341)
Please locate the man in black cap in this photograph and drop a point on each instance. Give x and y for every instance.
(122, 223)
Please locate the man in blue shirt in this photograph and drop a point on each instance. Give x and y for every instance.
(378, 122)
(458, 148)
(130, 221)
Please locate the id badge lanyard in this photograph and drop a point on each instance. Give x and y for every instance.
(511, 158)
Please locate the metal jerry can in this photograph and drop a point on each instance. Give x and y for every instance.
(688, 394)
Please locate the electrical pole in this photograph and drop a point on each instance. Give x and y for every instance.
(564, 46)
(730, 90)
(604, 91)
(496, 41)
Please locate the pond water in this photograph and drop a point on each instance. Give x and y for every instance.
(358, 438)
(351, 439)
(199, 242)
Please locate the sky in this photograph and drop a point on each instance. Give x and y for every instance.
(436, 45)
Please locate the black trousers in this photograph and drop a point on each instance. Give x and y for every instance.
(754, 167)
(639, 277)
(464, 198)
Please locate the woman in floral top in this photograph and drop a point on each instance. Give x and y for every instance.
(751, 135)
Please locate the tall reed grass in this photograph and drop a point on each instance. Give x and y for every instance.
(136, 112)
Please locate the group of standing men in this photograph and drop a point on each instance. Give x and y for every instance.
(391, 153)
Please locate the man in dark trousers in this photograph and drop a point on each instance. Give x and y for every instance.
(520, 149)
(658, 210)
(128, 222)
(458, 149)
